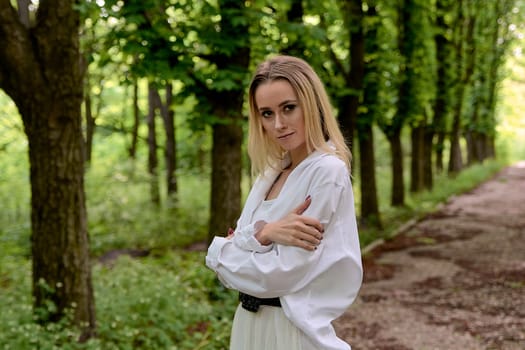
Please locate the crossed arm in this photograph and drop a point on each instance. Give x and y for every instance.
(294, 229)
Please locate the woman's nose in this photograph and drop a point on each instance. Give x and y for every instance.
(279, 122)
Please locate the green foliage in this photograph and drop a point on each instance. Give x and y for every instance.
(14, 182)
(121, 214)
(168, 302)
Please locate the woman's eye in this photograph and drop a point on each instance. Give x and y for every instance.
(289, 108)
(266, 114)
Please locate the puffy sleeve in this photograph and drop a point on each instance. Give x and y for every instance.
(280, 271)
(244, 238)
(287, 269)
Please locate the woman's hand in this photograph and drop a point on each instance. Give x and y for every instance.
(293, 230)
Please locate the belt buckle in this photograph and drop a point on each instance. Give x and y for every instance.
(249, 303)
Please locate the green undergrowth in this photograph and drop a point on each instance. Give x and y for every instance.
(162, 302)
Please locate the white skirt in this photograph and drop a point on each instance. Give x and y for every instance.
(266, 329)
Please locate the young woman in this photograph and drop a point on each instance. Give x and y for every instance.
(294, 256)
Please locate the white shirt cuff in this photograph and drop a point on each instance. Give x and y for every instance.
(214, 250)
(245, 240)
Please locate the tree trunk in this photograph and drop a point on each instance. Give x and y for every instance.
(90, 125)
(226, 175)
(354, 23)
(225, 201)
(405, 109)
(346, 124)
(456, 160)
(168, 117)
(398, 185)
(440, 149)
(473, 126)
(464, 68)
(153, 162)
(136, 121)
(502, 37)
(39, 70)
(369, 202)
(428, 177)
(417, 160)
(444, 75)
(470, 139)
(61, 262)
(491, 147)
(23, 12)
(295, 45)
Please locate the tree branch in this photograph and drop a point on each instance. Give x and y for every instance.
(15, 50)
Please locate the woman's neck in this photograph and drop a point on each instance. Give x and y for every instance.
(296, 157)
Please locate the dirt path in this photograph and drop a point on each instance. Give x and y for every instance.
(455, 280)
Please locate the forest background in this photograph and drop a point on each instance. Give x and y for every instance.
(122, 137)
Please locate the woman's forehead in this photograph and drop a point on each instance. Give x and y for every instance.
(273, 93)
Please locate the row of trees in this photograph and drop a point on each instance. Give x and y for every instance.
(430, 67)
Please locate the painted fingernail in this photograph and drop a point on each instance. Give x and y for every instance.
(309, 197)
(230, 231)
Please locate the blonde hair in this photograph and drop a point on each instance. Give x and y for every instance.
(319, 120)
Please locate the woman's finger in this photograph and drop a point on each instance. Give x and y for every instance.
(312, 222)
(301, 208)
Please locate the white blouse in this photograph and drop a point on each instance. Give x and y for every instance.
(315, 287)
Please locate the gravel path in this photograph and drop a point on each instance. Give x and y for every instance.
(454, 280)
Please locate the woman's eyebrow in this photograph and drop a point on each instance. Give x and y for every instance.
(283, 103)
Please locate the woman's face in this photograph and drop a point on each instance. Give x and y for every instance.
(281, 116)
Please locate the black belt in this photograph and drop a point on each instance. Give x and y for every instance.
(252, 303)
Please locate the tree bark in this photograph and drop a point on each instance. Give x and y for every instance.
(398, 185)
(153, 161)
(456, 159)
(225, 201)
(354, 23)
(428, 174)
(170, 152)
(226, 174)
(440, 149)
(39, 70)
(418, 158)
(369, 201)
(295, 45)
(464, 68)
(443, 91)
(23, 12)
(136, 121)
(90, 125)
(344, 105)
(404, 107)
(472, 136)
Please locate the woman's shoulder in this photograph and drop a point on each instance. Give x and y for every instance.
(329, 162)
(329, 167)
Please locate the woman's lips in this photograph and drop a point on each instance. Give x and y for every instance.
(285, 136)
